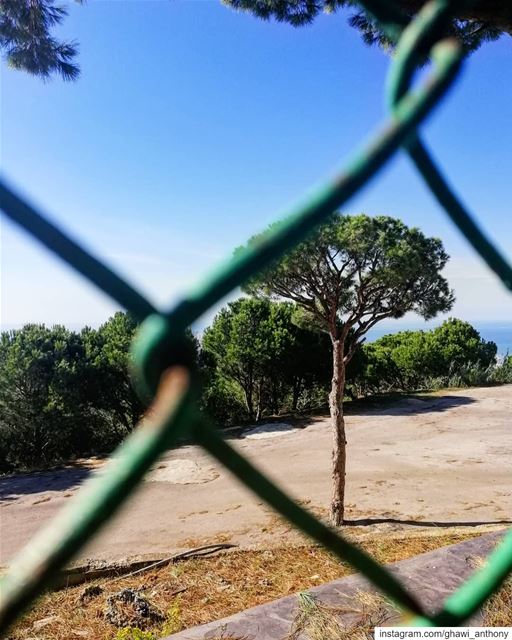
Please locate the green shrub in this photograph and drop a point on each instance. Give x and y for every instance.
(65, 394)
(173, 622)
(502, 374)
(451, 355)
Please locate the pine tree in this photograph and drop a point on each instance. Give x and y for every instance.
(27, 43)
(348, 275)
(484, 21)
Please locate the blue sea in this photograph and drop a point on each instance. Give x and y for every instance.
(498, 332)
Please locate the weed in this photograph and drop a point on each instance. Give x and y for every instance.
(173, 622)
(134, 633)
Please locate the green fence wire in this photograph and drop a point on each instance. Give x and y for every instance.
(165, 372)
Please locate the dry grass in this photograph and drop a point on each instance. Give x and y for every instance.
(201, 590)
(317, 621)
(497, 611)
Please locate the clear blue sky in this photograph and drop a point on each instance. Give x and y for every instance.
(193, 127)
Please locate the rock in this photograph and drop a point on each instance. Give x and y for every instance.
(139, 612)
(89, 593)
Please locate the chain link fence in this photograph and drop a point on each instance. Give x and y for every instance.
(164, 369)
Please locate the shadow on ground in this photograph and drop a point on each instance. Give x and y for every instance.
(410, 404)
(363, 522)
(12, 487)
(393, 404)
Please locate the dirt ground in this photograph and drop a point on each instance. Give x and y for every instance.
(440, 461)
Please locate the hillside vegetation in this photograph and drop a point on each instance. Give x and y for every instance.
(66, 394)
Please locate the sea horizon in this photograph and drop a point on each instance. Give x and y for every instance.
(499, 332)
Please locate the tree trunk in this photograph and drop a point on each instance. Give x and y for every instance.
(248, 401)
(297, 383)
(258, 406)
(275, 399)
(338, 427)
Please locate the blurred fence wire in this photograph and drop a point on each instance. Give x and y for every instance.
(164, 369)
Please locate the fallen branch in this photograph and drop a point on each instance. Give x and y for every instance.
(197, 552)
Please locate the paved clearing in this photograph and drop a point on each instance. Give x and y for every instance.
(445, 459)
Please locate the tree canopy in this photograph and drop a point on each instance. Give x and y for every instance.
(44, 404)
(257, 345)
(108, 356)
(64, 393)
(354, 271)
(474, 24)
(27, 42)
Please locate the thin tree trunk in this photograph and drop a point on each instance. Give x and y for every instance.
(258, 406)
(297, 382)
(338, 427)
(249, 401)
(275, 399)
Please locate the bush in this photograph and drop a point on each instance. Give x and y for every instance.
(502, 374)
(223, 401)
(64, 394)
(451, 355)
